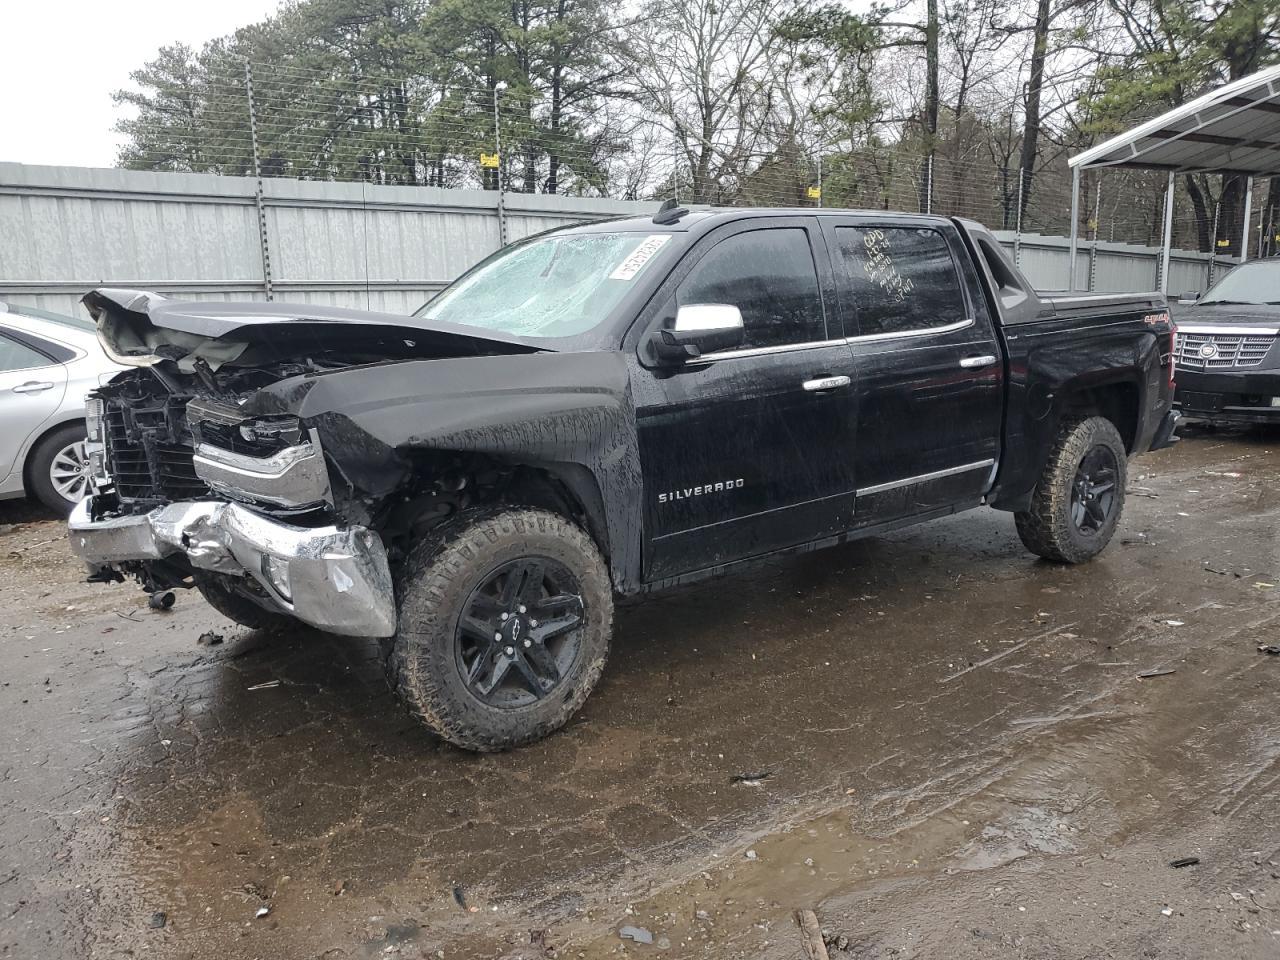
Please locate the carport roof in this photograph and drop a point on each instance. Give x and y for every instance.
(1233, 129)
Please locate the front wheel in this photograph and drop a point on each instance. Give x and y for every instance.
(504, 627)
(1080, 495)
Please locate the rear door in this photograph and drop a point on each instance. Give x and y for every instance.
(748, 450)
(31, 388)
(930, 373)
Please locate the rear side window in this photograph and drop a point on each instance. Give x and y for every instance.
(770, 276)
(18, 356)
(900, 279)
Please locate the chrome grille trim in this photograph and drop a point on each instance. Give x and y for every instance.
(1234, 350)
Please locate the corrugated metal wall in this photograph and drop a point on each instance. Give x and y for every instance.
(65, 230)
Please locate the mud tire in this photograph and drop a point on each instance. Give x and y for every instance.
(440, 573)
(1046, 529)
(240, 609)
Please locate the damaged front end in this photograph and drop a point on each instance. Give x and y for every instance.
(205, 465)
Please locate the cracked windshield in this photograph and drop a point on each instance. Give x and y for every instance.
(555, 287)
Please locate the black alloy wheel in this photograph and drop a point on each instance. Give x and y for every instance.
(518, 636)
(1093, 492)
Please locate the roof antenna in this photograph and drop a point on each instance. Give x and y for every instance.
(669, 212)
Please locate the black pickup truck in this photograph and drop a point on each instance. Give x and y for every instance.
(605, 409)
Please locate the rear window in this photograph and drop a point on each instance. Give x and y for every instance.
(900, 279)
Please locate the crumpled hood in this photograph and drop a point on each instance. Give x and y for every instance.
(1227, 314)
(140, 328)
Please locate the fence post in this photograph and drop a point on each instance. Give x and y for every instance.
(1017, 226)
(497, 149)
(1213, 245)
(928, 185)
(1093, 240)
(263, 244)
(1168, 235)
(819, 178)
(1248, 213)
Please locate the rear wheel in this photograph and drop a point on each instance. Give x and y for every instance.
(1080, 495)
(58, 469)
(504, 626)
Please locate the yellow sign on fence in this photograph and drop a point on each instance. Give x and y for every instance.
(489, 161)
(815, 193)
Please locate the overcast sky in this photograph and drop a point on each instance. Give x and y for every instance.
(62, 58)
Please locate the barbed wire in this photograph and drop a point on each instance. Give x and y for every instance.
(374, 128)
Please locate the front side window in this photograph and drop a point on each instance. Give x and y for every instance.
(769, 275)
(900, 279)
(556, 286)
(18, 356)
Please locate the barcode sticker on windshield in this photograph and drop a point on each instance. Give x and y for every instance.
(638, 257)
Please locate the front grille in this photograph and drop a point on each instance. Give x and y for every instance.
(1226, 351)
(148, 452)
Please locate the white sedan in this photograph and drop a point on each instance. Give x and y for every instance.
(47, 364)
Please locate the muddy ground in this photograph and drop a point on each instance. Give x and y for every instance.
(948, 752)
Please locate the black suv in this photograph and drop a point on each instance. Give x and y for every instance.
(1228, 367)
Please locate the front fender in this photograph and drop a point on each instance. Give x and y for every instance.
(561, 410)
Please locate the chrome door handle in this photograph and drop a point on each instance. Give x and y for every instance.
(975, 363)
(825, 383)
(32, 386)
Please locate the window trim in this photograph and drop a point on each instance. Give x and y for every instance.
(853, 308)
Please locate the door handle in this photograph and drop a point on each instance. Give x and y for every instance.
(32, 386)
(825, 383)
(976, 363)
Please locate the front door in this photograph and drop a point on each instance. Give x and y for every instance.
(750, 449)
(930, 371)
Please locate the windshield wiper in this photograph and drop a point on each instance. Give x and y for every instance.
(1232, 303)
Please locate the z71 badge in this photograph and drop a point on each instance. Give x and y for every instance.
(686, 492)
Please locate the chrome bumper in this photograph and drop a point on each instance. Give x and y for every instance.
(337, 577)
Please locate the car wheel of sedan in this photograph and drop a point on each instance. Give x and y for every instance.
(1080, 496)
(58, 469)
(505, 617)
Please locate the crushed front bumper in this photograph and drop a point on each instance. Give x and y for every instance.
(334, 578)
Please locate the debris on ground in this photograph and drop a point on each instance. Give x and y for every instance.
(638, 934)
(266, 685)
(261, 912)
(751, 779)
(836, 941)
(811, 939)
(209, 639)
(751, 855)
(459, 897)
(1167, 912)
(1270, 649)
(1174, 623)
(1184, 862)
(164, 600)
(159, 919)
(1150, 674)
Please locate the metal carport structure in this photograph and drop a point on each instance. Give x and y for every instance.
(1233, 130)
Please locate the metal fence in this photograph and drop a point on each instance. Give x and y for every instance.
(65, 230)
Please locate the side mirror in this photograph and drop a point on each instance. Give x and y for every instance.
(1191, 296)
(699, 328)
